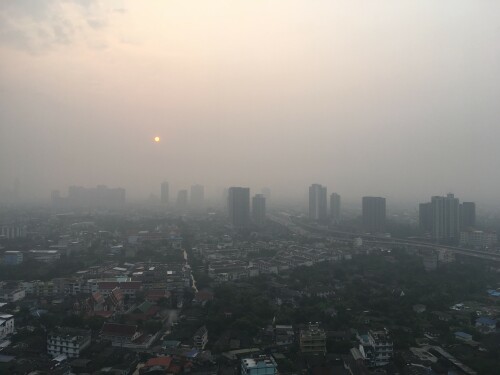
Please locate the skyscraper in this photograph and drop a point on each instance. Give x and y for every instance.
(317, 202)
(335, 208)
(373, 214)
(445, 219)
(467, 215)
(238, 204)
(197, 197)
(259, 209)
(164, 193)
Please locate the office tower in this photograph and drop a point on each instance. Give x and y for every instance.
(373, 214)
(335, 208)
(425, 217)
(164, 193)
(317, 202)
(197, 197)
(445, 219)
(259, 209)
(182, 200)
(238, 204)
(467, 215)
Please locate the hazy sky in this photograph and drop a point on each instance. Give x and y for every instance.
(399, 98)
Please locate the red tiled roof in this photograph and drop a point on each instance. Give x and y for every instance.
(115, 329)
(159, 361)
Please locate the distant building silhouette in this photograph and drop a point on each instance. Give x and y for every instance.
(259, 209)
(197, 197)
(317, 202)
(374, 214)
(238, 205)
(164, 193)
(445, 219)
(335, 208)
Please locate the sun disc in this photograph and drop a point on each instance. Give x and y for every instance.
(157, 139)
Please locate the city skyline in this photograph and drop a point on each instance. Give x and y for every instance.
(83, 105)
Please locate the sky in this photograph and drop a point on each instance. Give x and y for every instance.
(396, 98)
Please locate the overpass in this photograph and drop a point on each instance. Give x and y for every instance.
(304, 228)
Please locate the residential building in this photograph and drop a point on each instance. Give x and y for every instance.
(335, 208)
(239, 206)
(120, 334)
(317, 203)
(6, 325)
(445, 219)
(259, 209)
(376, 348)
(259, 365)
(11, 293)
(68, 341)
(12, 258)
(200, 338)
(312, 339)
(374, 214)
(477, 239)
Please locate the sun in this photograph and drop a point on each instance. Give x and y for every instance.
(157, 139)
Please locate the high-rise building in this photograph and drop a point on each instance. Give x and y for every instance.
(197, 197)
(259, 209)
(335, 208)
(425, 217)
(182, 200)
(317, 202)
(164, 193)
(374, 214)
(445, 219)
(238, 204)
(467, 215)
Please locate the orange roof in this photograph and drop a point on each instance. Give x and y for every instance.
(159, 361)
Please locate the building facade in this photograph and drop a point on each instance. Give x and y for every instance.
(312, 339)
(374, 214)
(67, 341)
(238, 205)
(259, 209)
(317, 203)
(335, 208)
(259, 365)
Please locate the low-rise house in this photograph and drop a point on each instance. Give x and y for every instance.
(313, 339)
(12, 294)
(376, 348)
(259, 365)
(126, 336)
(120, 334)
(486, 324)
(6, 325)
(67, 341)
(200, 338)
(463, 336)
